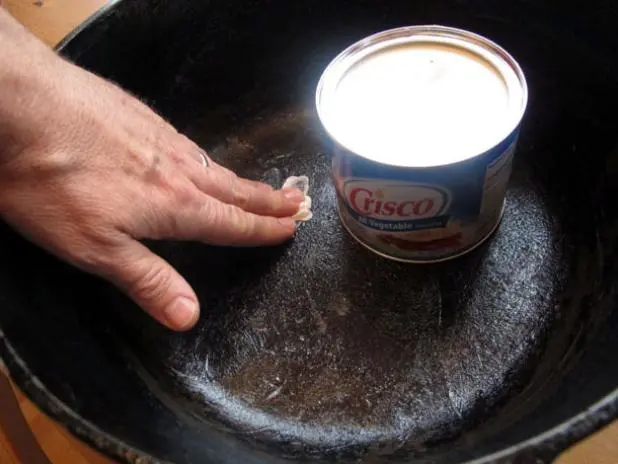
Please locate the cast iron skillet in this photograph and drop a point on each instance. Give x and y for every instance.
(318, 349)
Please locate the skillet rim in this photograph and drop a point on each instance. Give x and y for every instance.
(544, 447)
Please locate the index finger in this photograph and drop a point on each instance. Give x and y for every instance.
(219, 223)
(251, 196)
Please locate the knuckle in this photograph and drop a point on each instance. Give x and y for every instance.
(275, 200)
(153, 284)
(185, 197)
(232, 219)
(166, 227)
(160, 141)
(176, 151)
(243, 222)
(240, 195)
(170, 211)
(215, 215)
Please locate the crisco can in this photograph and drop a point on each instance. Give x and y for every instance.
(425, 121)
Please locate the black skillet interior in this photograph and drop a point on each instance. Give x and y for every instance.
(319, 348)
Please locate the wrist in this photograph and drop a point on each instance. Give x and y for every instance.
(24, 81)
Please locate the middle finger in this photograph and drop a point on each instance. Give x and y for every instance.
(254, 197)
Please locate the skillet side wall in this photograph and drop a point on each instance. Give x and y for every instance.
(157, 50)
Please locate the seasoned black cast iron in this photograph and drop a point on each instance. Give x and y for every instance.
(319, 349)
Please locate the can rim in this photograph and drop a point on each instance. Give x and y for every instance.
(344, 61)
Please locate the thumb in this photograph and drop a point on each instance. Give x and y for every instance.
(155, 286)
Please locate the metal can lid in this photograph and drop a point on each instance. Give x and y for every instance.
(421, 96)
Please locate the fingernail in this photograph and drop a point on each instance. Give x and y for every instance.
(293, 194)
(182, 313)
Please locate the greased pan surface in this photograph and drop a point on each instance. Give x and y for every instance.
(318, 349)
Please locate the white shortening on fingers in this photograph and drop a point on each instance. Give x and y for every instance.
(302, 183)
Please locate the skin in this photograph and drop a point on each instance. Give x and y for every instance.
(87, 170)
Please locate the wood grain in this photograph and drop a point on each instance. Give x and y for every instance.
(51, 20)
(17, 441)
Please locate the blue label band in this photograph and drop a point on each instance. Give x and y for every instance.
(434, 222)
(463, 182)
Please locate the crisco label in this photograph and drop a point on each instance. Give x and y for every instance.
(396, 206)
(425, 214)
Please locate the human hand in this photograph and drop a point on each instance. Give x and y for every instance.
(86, 171)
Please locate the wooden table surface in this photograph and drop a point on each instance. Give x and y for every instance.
(51, 20)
